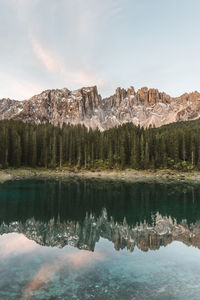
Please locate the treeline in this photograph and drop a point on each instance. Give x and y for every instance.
(173, 146)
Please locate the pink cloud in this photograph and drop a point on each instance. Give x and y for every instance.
(47, 271)
(15, 244)
(54, 64)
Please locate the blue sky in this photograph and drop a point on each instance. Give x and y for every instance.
(109, 43)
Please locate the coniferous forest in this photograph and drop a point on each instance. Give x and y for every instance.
(175, 146)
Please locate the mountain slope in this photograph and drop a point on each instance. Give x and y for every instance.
(86, 235)
(85, 106)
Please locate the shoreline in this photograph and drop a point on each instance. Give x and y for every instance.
(128, 175)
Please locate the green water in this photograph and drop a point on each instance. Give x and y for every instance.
(99, 240)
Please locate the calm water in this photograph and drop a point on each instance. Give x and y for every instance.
(99, 240)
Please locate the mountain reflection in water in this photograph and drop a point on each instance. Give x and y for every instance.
(80, 212)
(57, 240)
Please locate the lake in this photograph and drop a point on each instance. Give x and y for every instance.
(96, 239)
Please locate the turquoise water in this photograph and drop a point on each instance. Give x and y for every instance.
(84, 239)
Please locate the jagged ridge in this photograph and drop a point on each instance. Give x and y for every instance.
(85, 106)
(85, 235)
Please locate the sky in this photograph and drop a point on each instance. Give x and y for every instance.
(48, 44)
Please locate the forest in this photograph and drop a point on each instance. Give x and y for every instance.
(174, 146)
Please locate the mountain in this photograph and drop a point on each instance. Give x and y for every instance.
(77, 212)
(85, 106)
(55, 233)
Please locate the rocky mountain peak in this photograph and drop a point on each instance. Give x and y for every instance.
(85, 235)
(144, 107)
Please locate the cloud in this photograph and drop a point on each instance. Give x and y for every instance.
(18, 88)
(23, 8)
(15, 244)
(53, 64)
(92, 16)
(46, 57)
(83, 258)
(47, 271)
(23, 4)
(26, 89)
(73, 59)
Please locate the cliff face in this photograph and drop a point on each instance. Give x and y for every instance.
(85, 235)
(56, 106)
(150, 107)
(85, 106)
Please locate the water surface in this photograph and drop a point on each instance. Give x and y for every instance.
(89, 239)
